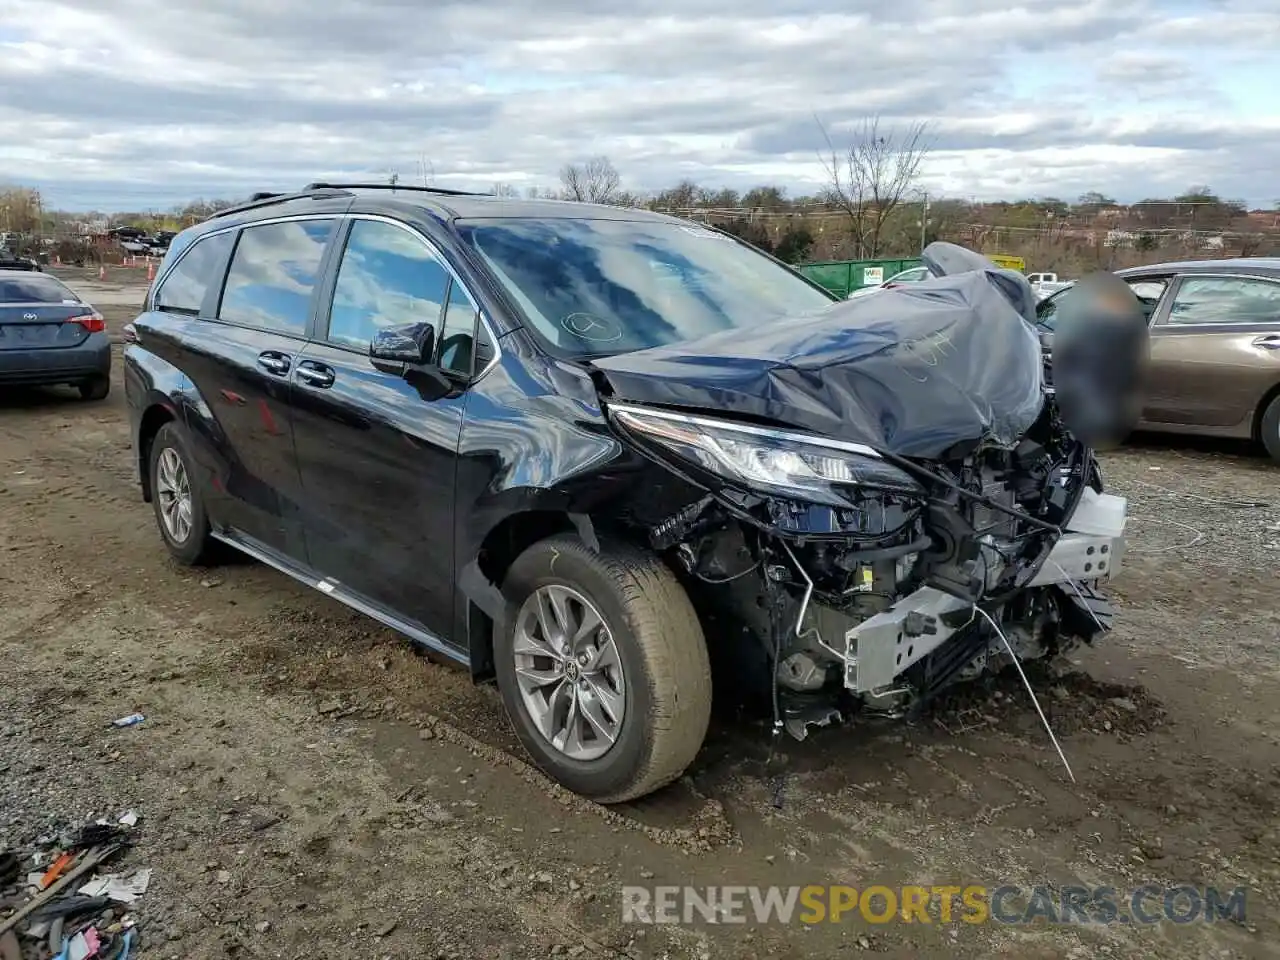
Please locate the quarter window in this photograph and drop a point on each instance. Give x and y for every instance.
(458, 333)
(1212, 300)
(273, 275)
(388, 278)
(185, 288)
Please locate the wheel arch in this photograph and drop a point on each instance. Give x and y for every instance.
(481, 579)
(1261, 411)
(153, 418)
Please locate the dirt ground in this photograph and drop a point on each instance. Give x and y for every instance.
(309, 785)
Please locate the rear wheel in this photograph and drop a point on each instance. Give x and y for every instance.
(180, 512)
(95, 389)
(1269, 428)
(603, 668)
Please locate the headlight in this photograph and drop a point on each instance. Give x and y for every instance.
(794, 465)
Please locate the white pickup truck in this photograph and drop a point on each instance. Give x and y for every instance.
(1046, 283)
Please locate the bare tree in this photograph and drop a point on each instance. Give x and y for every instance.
(873, 177)
(594, 181)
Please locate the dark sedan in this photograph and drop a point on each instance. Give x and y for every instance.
(48, 336)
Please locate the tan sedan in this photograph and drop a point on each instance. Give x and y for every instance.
(1215, 346)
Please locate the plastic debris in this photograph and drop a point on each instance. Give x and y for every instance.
(120, 887)
(130, 721)
(129, 819)
(83, 945)
(56, 869)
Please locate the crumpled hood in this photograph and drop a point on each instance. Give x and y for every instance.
(912, 370)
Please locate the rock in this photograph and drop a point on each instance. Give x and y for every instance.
(574, 885)
(426, 733)
(864, 943)
(386, 929)
(1124, 703)
(223, 876)
(646, 874)
(577, 951)
(262, 926)
(1031, 834)
(329, 706)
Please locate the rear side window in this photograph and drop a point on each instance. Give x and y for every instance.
(388, 278)
(185, 288)
(35, 289)
(1225, 300)
(273, 275)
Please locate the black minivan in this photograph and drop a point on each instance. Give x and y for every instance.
(592, 452)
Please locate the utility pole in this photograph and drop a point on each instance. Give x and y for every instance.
(924, 221)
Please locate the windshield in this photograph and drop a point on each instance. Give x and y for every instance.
(600, 287)
(37, 288)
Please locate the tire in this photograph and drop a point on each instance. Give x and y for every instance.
(665, 672)
(95, 389)
(1269, 428)
(197, 548)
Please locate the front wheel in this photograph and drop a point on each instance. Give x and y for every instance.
(603, 668)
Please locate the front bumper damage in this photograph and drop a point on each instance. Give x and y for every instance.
(880, 649)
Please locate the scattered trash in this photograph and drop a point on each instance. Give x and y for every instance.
(71, 906)
(83, 945)
(56, 870)
(122, 888)
(130, 721)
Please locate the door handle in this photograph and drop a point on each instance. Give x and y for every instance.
(274, 363)
(1270, 342)
(315, 374)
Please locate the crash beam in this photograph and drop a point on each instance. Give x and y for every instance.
(880, 648)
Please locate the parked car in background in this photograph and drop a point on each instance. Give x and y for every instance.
(1047, 284)
(49, 336)
(11, 261)
(1215, 346)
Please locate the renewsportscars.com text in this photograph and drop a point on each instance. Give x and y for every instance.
(932, 904)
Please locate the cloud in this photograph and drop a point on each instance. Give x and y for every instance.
(134, 104)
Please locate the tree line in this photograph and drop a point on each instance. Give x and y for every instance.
(872, 204)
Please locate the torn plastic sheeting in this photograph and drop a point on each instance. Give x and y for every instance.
(122, 888)
(913, 371)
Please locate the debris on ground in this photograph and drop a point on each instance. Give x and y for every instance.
(67, 909)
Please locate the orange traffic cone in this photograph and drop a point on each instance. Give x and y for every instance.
(151, 271)
(102, 272)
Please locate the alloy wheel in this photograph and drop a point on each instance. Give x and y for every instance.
(569, 672)
(173, 490)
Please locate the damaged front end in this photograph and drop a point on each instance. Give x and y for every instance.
(879, 522)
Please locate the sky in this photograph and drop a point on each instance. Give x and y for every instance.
(143, 104)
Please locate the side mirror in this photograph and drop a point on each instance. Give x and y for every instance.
(392, 349)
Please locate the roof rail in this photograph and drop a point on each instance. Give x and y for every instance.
(394, 186)
(265, 199)
(320, 190)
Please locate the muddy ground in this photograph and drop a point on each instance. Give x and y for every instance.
(312, 786)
